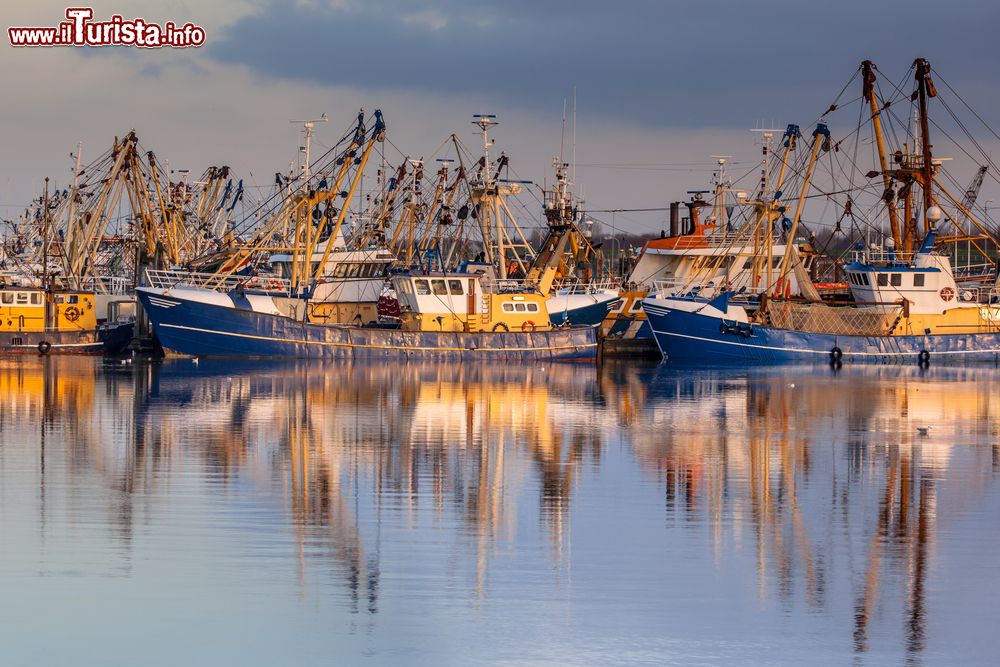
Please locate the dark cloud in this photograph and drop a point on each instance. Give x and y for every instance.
(680, 64)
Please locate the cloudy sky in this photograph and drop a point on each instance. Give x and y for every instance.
(661, 85)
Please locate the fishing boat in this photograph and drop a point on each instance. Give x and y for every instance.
(906, 305)
(462, 315)
(40, 321)
(470, 313)
(711, 247)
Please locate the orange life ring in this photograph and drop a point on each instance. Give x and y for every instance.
(528, 325)
(72, 313)
(947, 293)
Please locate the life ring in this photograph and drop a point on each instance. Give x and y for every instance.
(72, 313)
(501, 325)
(836, 354)
(44, 347)
(947, 293)
(528, 326)
(723, 329)
(924, 357)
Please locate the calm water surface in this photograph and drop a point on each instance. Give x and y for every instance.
(237, 513)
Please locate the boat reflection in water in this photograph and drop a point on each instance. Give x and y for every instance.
(621, 514)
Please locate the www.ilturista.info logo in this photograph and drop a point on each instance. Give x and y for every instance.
(79, 30)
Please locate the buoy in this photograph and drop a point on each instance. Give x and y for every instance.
(924, 357)
(836, 354)
(528, 325)
(44, 347)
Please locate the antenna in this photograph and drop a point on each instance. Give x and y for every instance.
(573, 172)
(485, 121)
(562, 135)
(767, 135)
(308, 130)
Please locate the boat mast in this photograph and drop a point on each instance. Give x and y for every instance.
(925, 89)
(868, 87)
(821, 139)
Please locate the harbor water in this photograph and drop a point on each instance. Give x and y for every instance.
(222, 512)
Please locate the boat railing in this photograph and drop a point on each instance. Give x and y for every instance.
(883, 257)
(169, 278)
(114, 285)
(981, 294)
(672, 286)
(590, 288)
(507, 285)
(984, 271)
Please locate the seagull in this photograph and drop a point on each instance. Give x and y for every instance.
(923, 430)
(194, 360)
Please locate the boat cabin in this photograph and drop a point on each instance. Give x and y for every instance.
(30, 310)
(469, 299)
(926, 283)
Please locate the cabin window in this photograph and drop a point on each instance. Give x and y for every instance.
(455, 286)
(508, 308)
(864, 279)
(918, 280)
(352, 270)
(8, 297)
(421, 287)
(883, 279)
(532, 307)
(520, 307)
(22, 298)
(339, 270)
(36, 298)
(73, 298)
(440, 289)
(896, 279)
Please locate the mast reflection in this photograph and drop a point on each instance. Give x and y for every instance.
(809, 467)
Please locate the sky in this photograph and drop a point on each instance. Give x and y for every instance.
(660, 86)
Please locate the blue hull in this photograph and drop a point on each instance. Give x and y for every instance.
(200, 329)
(589, 315)
(691, 337)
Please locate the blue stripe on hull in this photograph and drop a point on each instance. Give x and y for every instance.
(690, 337)
(200, 329)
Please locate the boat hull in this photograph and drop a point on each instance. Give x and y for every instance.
(196, 328)
(581, 309)
(690, 337)
(106, 339)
